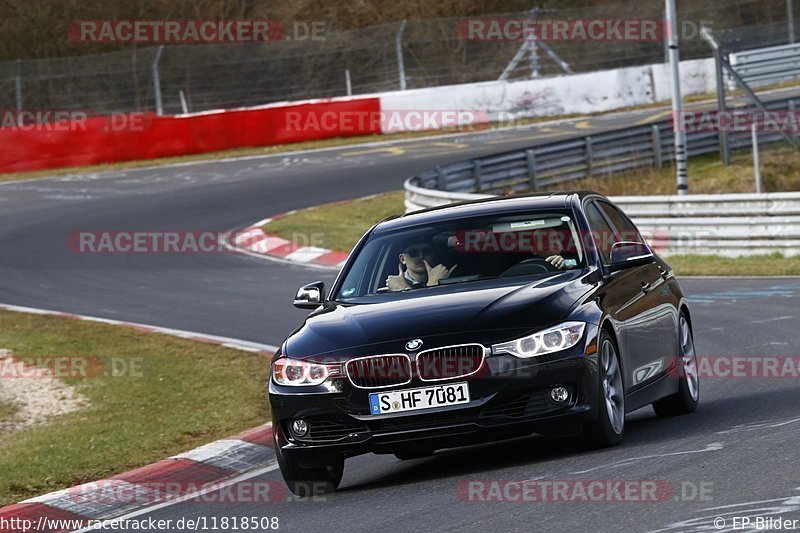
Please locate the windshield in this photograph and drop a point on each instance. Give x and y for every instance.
(418, 259)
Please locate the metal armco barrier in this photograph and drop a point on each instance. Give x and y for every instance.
(600, 154)
(765, 66)
(726, 224)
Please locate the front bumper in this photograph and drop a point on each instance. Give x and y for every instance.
(510, 398)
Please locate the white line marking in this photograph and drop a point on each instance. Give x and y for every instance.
(712, 447)
(788, 499)
(752, 426)
(265, 244)
(188, 496)
(243, 251)
(206, 452)
(229, 342)
(790, 317)
(306, 254)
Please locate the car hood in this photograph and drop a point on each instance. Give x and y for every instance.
(446, 315)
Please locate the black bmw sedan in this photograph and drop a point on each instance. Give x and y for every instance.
(474, 322)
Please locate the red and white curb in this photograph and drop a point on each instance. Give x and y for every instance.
(190, 476)
(227, 342)
(209, 468)
(254, 241)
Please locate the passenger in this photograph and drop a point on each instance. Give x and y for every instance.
(417, 257)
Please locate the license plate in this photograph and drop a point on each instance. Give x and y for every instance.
(415, 399)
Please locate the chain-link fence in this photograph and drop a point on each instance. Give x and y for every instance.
(388, 57)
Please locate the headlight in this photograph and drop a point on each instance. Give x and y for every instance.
(294, 373)
(551, 340)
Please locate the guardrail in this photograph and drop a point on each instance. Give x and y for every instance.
(727, 224)
(601, 154)
(764, 66)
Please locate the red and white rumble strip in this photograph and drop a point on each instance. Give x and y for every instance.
(185, 476)
(206, 469)
(253, 240)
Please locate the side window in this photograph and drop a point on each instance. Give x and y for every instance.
(625, 228)
(603, 234)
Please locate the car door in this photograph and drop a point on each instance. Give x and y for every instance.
(651, 336)
(626, 300)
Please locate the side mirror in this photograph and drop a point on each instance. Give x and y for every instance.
(310, 296)
(629, 254)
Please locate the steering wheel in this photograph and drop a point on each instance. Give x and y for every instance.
(534, 265)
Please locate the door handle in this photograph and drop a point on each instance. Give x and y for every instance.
(646, 287)
(664, 273)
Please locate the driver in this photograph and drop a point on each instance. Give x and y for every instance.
(552, 248)
(417, 257)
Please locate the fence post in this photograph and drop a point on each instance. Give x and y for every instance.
(347, 82)
(184, 105)
(18, 86)
(657, 146)
(723, 135)
(756, 159)
(398, 44)
(442, 178)
(157, 81)
(478, 171)
(530, 157)
(589, 157)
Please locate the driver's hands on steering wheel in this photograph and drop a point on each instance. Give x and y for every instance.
(557, 261)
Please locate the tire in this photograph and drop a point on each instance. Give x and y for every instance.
(310, 481)
(406, 455)
(687, 398)
(609, 428)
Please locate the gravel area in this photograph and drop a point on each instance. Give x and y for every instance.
(38, 395)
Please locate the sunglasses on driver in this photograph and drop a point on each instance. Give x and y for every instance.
(419, 251)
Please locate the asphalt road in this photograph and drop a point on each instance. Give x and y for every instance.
(742, 440)
(735, 456)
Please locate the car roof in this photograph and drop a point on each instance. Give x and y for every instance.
(484, 206)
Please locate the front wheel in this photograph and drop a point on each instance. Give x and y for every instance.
(310, 481)
(688, 396)
(609, 428)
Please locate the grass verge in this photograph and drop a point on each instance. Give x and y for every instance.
(707, 175)
(150, 396)
(8, 411)
(756, 265)
(338, 226)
